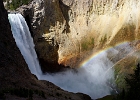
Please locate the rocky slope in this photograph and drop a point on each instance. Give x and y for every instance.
(65, 30)
(15, 75)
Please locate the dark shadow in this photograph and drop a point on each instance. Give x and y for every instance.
(51, 66)
(65, 9)
(28, 21)
(48, 65)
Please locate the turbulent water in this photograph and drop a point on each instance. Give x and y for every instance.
(93, 78)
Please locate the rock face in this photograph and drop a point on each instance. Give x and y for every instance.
(9, 53)
(65, 30)
(14, 72)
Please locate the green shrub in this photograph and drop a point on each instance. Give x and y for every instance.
(16, 3)
(132, 92)
(87, 44)
(84, 46)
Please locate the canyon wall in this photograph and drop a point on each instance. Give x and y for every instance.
(15, 75)
(64, 31)
(9, 53)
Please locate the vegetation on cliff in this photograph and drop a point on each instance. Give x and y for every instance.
(87, 45)
(132, 91)
(133, 84)
(14, 4)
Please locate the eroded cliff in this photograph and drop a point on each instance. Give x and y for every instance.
(15, 77)
(79, 26)
(65, 30)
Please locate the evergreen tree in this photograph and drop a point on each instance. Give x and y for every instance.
(133, 83)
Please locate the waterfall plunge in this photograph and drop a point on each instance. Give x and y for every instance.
(24, 42)
(92, 78)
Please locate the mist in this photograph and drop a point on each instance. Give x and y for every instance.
(95, 77)
(90, 79)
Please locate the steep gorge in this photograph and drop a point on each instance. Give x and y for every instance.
(65, 30)
(14, 72)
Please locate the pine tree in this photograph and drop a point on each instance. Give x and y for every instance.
(133, 83)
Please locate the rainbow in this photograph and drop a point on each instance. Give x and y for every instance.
(96, 54)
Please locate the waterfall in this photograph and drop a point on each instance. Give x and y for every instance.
(24, 42)
(90, 79)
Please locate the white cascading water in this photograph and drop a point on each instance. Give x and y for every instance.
(93, 78)
(24, 42)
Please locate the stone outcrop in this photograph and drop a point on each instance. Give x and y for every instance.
(65, 30)
(9, 66)
(47, 48)
(14, 72)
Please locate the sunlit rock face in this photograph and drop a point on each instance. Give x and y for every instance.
(100, 23)
(65, 30)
